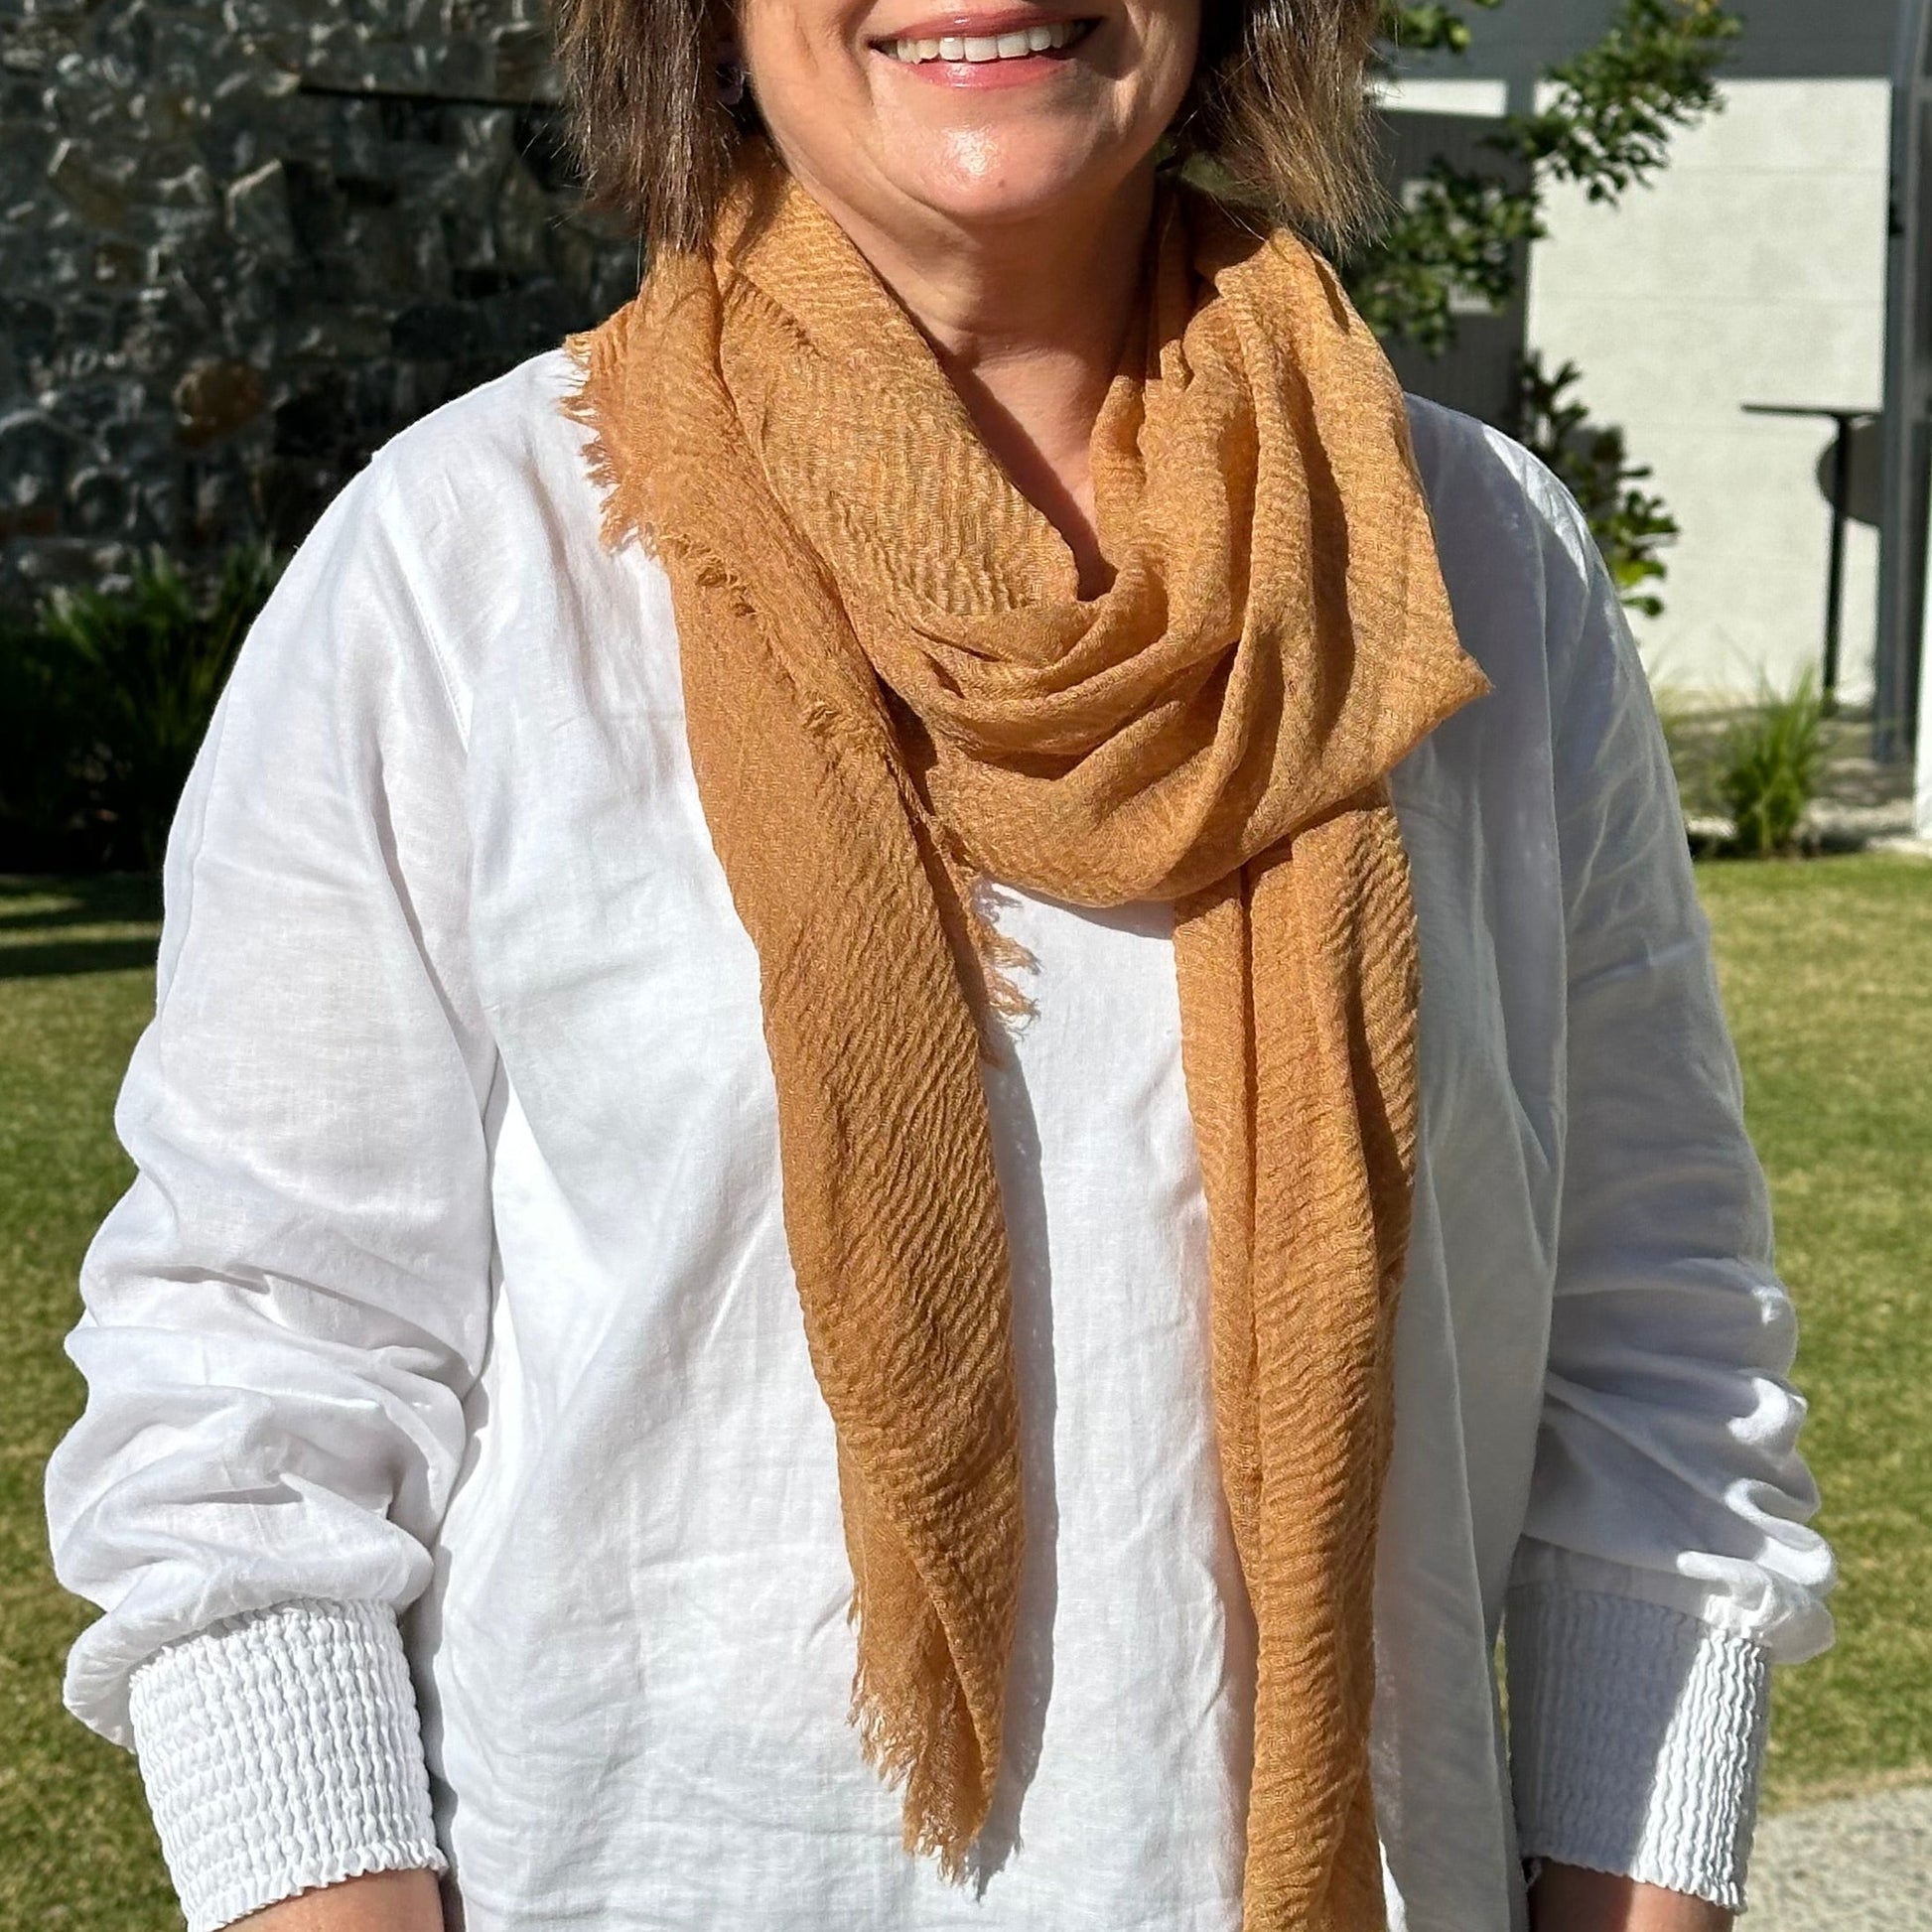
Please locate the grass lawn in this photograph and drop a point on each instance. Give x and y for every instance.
(1827, 968)
(76, 986)
(1828, 976)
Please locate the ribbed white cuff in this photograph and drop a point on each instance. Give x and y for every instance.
(281, 1751)
(1636, 1734)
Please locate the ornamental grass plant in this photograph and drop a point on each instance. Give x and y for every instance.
(1770, 765)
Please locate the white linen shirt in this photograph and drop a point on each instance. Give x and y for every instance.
(453, 1287)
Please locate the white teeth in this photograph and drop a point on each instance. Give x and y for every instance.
(980, 48)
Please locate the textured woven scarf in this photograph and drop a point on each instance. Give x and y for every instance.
(894, 691)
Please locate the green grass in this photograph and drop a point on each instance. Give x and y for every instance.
(75, 987)
(1828, 970)
(1828, 976)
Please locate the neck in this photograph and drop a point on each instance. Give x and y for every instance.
(1028, 320)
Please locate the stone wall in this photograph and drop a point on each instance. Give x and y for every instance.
(244, 241)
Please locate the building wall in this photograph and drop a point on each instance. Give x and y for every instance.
(1752, 270)
(241, 245)
(1783, 40)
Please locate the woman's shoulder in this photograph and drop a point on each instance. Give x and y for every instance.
(475, 535)
(502, 459)
(1487, 492)
(1528, 585)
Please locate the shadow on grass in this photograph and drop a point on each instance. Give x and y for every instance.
(79, 899)
(40, 919)
(54, 927)
(59, 959)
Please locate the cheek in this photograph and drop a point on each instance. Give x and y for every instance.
(1173, 45)
(798, 51)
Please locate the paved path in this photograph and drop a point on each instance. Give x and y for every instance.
(1863, 1864)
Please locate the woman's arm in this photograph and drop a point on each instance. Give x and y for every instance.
(385, 1901)
(1666, 1561)
(285, 1312)
(1567, 1898)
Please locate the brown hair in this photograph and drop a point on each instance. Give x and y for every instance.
(1276, 110)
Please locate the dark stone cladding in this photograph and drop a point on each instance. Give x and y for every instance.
(243, 242)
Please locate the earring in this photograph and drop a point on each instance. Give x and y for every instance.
(730, 75)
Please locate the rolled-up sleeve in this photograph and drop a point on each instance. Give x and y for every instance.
(286, 1310)
(1667, 1560)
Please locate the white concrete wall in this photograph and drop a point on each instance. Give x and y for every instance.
(1455, 96)
(1752, 271)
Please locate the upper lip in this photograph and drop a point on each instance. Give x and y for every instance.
(978, 25)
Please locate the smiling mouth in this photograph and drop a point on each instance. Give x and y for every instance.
(1020, 44)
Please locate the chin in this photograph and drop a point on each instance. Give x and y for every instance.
(981, 181)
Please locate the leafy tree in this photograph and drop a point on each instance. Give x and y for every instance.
(1606, 126)
(1630, 523)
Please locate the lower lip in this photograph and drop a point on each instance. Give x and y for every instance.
(988, 73)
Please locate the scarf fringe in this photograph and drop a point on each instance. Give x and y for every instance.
(940, 1820)
(999, 954)
(595, 405)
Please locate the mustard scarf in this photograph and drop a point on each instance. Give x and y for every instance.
(894, 690)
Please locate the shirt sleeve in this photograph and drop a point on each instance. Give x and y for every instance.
(285, 1312)
(1666, 1561)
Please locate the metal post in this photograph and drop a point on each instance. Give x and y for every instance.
(1845, 422)
(1908, 387)
(1835, 575)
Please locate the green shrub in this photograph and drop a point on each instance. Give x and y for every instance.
(34, 790)
(1772, 763)
(106, 701)
(1630, 523)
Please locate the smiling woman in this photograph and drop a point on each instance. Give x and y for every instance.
(935, 1090)
(1276, 96)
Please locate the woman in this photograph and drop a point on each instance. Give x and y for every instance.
(791, 989)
